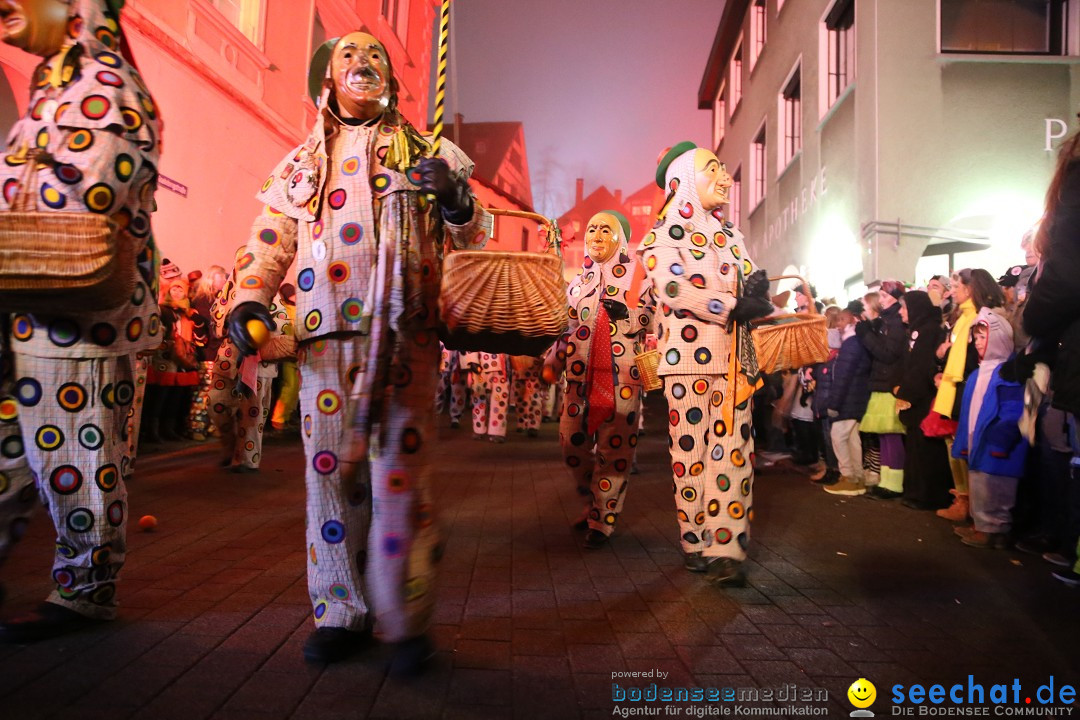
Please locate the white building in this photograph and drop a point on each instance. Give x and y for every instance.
(890, 138)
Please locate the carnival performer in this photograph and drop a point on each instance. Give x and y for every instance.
(708, 290)
(240, 395)
(528, 391)
(489, 385)
(351, 206)
(289, 394)
(606, 331)
(91, 128)
(453, 387)
(173, 374)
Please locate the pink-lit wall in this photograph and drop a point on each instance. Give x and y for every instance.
(233, 108)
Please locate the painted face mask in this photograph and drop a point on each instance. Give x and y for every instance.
(36, 26)
(361, 76)
(602, 236)
(712, 179)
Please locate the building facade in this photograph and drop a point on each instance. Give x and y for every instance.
(876, 139)
(230, 80)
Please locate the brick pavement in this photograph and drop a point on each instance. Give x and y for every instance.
(215, 610)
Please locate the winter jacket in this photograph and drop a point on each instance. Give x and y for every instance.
(850, 390)
(885, 340)
(920, 364)
(998, 447)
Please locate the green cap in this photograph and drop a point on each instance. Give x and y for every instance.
(622, 221)
(317, 70)
(668, 157)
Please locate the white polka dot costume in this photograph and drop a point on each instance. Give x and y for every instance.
(599, 461)
(368, 247)
(64, 411)
(696, 264)
(489, 385)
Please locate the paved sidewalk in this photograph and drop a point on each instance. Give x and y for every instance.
(215, 609)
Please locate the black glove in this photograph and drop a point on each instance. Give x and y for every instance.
(751, 308)
(757, 284)
(237, 325)
(451, 191)
(863, 328)
(1019, 369)
(615, 309)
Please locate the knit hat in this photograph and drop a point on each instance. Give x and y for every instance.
(169, 269)
(1012, 276)
(855, 307)
(893, 287)
(623, 223)
(194, 276)
(667, 157)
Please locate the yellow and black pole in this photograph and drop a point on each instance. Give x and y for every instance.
(440, 77)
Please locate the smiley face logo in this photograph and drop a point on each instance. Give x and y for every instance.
(862, 693)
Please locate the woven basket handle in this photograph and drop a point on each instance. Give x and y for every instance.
(551, 225)
(25, 199)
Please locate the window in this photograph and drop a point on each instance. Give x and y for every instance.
(840, 46)
(790, 118)
(524, 239)
(757, 168)
(246, 15)
(719, 117)
(736, 77)
(1029, 27)
(757, 31)
(396, 13)
(736, 197)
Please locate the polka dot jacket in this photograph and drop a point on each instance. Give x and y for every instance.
(331, 213)
(91, 112)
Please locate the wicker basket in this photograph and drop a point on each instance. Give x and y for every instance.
(504, 302)
(791, 341)
(51, 261)
(648, 365)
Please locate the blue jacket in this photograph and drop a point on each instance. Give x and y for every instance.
(997, 447)
(849, 393)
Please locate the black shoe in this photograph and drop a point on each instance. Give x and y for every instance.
(634, 470)
(581, 525)
(879, 493)
(726, 572)
(331, 644)
(532, 432)
(1035, 545)
(47, 621)
(594, 540)
(243, 469)
(411, 657)
(455, 424)
(695, 562)
(519, 430)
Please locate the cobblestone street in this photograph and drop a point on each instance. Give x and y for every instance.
(215, 610)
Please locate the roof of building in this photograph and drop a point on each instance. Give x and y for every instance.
(723, 44)
(487, 143)
(598, 200)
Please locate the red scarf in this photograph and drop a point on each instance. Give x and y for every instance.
(600, 374)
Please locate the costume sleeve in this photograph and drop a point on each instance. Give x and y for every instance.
(668, 267)
(270, 251)
(642, 316)
(473, 234)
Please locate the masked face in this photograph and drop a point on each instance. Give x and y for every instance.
(36, 26)
(602, 237)
(713, 180)
(360, 72)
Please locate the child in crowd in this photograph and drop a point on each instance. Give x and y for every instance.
(988, 435)
(848, 397)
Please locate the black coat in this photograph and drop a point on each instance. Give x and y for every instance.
(1052, 312)
(885, 340)
(849, 392)
(927, 475)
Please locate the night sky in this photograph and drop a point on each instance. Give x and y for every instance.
(601, 85)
